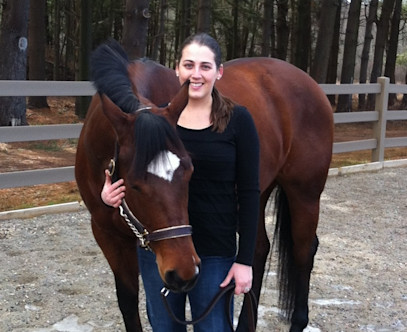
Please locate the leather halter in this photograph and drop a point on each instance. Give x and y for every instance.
(143, 235)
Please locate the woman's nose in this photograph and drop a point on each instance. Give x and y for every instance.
(196, 72)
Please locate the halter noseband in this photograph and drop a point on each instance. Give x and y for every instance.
(143, 235)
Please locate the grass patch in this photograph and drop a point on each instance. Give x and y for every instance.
(47, 146)
(41, 195)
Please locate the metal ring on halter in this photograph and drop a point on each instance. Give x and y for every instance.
(112, 167)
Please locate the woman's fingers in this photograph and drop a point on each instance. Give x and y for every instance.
(242, 275)
(112, 193)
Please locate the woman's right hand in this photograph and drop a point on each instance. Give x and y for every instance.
(112, 193)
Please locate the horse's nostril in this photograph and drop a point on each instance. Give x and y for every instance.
(177, 284)
(173, 281)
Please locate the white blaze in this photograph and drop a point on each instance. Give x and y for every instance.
(164, 165)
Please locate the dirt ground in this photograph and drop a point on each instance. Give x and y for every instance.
(54, 277)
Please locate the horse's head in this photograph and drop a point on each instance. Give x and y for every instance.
(156, 170)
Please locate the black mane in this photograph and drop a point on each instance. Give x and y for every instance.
(109, 64)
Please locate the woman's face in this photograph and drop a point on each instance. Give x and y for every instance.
(197, 64)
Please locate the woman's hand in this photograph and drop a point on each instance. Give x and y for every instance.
(243, 277)
(112, 194)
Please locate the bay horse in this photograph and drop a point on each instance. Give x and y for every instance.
(295, 126)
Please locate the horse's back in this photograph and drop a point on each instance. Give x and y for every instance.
(274, 88)
(292, 114)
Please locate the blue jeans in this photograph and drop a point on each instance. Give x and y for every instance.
(213, 272)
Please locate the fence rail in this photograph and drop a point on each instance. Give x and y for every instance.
(380, 116)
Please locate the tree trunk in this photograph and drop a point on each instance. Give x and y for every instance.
(283, 30)
(56, 39)
(163, 51)
(333, 57)
(303, 32)
(185, 21)
(85, 43)
(158, 38)
(36, 49)
(349, 54)
(293, 22)
(204, 16)
(366, 50)
(390, 67)
(118, 17)
(381, 40)
(235, 30)
(324, 41)
(135, 28)
(13, 58)
(71, 25)
(267, 27)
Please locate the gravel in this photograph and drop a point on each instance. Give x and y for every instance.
(55, 278)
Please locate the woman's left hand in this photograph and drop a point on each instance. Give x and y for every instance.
(243, 277)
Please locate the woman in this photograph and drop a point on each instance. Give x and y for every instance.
(223, 192)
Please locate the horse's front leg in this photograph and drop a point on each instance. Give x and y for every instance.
(121, 254)
(128, 301)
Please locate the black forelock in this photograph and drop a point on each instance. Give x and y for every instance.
(153, 134)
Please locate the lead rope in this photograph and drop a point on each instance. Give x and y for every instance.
(226, 291)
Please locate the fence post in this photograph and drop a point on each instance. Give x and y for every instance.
(379, 127)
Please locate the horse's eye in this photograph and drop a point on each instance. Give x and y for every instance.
(186, 163)
(136, 187)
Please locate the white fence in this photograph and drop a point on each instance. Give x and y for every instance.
(377, 143)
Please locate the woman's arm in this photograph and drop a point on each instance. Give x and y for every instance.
(247, 185)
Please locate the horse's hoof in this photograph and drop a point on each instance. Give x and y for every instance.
(296, 328)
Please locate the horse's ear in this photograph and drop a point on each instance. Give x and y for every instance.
(177, 105)
(118, 119)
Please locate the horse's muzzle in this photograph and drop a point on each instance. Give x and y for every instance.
(177, 284)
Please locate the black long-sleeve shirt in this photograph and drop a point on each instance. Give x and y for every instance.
(224, 188)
